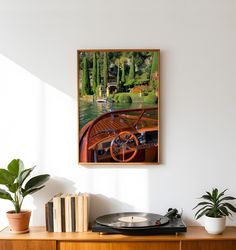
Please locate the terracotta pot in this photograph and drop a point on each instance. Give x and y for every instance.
(19, 222)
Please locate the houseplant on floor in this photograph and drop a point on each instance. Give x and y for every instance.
(17, 187)
(215, 208)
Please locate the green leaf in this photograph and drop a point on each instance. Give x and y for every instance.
(31, 191)
(6, 177)
(221, 194)
(207, 206)
(15, 167)
(24, 174)
(5, 195)
(224, 211)
(206, 197)
(203, 203)
(214, 194)
(37, 181)
(230, 207)
(211, 213)
(208, 193)
(227, 198)
(13, 187)
(202, 213)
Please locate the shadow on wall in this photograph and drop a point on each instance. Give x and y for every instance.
(101, 205)
(54, 186)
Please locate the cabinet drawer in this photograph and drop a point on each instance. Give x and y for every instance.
(27, 245)
(209, 245)
(162, 245)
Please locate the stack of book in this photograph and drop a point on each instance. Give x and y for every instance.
(67, 213)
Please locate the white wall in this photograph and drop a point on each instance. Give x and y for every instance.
(38, 43)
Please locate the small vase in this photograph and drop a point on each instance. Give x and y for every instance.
(215, 225)
(19, 222)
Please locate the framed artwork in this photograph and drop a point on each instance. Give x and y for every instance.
(118, 106)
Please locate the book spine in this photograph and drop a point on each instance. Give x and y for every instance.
(68, 213)
(63, 222)
(54, 216)
(57, 210)
(81, 213)
(46, 216)
(76, 213)
(73, 214)
(85, 219)
(50, 217)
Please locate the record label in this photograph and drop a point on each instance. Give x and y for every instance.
(132, 219)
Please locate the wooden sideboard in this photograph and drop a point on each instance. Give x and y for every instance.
(195, 239)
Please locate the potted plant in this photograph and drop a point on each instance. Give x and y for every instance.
(17, 187)
(215, 208)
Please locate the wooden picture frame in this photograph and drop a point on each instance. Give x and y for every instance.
(118, 106)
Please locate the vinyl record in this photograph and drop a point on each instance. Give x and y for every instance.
(132, 220)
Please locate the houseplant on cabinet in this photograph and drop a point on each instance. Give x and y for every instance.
(18, 186)
(215, 208)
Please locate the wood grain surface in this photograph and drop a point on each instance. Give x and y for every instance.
(27, 245)
(209, 245)
(119, 246)
(195, 239)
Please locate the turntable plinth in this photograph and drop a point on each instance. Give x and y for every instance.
(194, 239)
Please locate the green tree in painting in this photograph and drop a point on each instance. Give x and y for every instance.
(86, 89)
(118, 63)
(118, 77)
(123, 73)
(123, 62)
(154, 69)
(131, 76)
(98, 72)
(94, 73)
(128, 68)
(105, 70)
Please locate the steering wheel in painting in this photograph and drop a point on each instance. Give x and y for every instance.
(124, 147)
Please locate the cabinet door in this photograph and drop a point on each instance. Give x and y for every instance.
(209, 245)
(27, 245)
(171, 245)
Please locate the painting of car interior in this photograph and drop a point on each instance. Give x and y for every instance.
(118, 106)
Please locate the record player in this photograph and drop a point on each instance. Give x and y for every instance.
(134, 223)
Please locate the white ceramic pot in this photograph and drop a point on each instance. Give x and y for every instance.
(215, 225)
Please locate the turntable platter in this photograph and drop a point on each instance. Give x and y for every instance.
(132, 220)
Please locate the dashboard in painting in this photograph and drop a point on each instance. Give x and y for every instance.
(118, 92)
